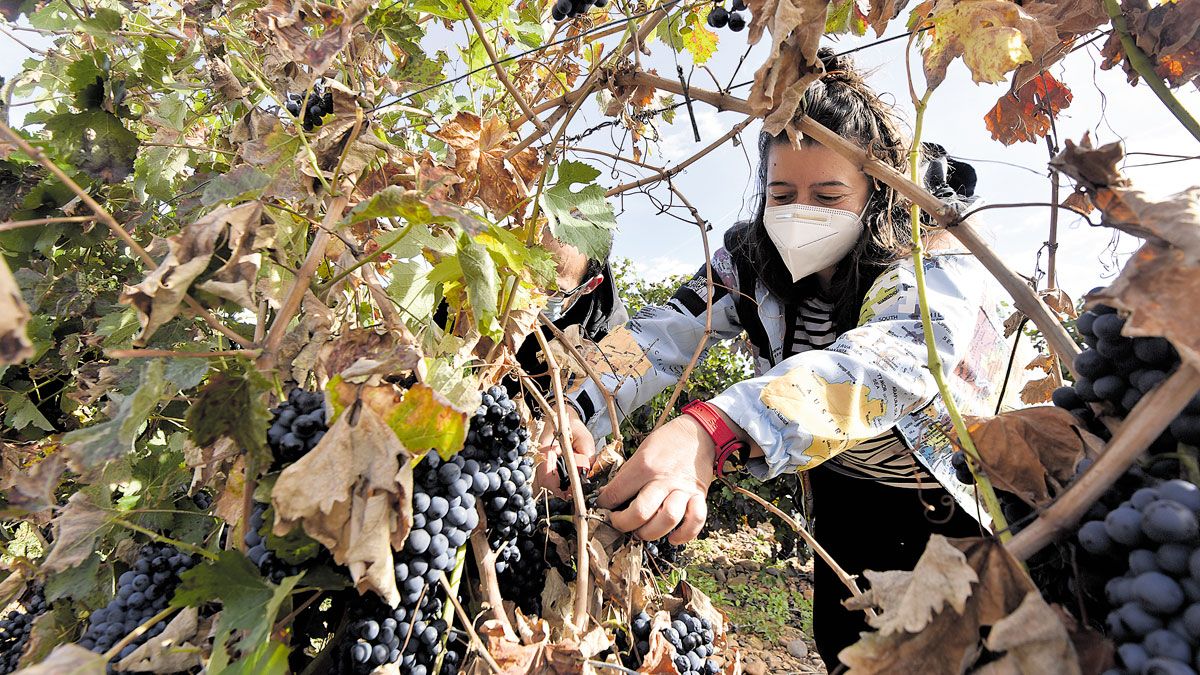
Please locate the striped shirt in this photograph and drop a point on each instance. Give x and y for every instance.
(885, 458)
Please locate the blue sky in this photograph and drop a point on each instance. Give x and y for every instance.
(720, 184)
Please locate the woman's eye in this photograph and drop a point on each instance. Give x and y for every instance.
(784, 198)
(830, 199)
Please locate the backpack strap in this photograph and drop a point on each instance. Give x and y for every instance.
(747, 310)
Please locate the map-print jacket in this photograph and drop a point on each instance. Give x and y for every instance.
(805, 409)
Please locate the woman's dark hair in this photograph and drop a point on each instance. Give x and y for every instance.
(841, 101)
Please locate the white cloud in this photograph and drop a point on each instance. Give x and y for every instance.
(678, 142)
(661, 267)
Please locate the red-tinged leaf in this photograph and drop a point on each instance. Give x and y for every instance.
(1025, 115)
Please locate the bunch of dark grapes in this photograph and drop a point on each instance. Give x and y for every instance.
(1150, 546)
(569, 9)
(316, 105)
(268, 564)
(412, 633)
(691, 636)
(497, 449)
(661, 554)
(142, 592)
(15, 628)
(719, 17)
(297, 426)
(1116, 372)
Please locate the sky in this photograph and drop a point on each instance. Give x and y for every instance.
(720, 184)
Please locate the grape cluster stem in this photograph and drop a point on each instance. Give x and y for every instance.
(476, 643)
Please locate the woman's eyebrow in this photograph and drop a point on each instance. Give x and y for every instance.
(829, 183)
(779, 183)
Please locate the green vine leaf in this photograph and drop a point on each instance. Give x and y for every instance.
(249, 603)
(233, 404)
(424, 420)
(92, 446)
(591, 230)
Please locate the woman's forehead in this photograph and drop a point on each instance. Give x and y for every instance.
(811, 164)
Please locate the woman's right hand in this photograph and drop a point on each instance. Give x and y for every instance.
(583, 446)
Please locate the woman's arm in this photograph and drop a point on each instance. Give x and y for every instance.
(650, 353)
(816, 404)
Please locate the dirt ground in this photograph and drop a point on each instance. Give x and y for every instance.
(768, 601)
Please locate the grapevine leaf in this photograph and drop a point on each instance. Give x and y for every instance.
(97, 141)
(1026, 114)
(20, 412)
(86, 583)
(249, 603)
(591, 230)
(411, 289)
(77, 528)
(425, 420)
(286, 27)
(360, 508)
(100, 443)
(159, 297)
(1169, 34)
(69, 658)
(992, 36)
(846, 17)
(791, 65)
(14, 316)
(480, 149)
(292, 548)
(233, 404)
(698, 40)
(1033, 639)
(882, 12)
(239, 184)
(392, 202)
(155, 171)
(172, 650)
(480, 279)
(1032, 452)
(983, 586)
(30, 489)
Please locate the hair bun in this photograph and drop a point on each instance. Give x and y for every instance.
(838, 68)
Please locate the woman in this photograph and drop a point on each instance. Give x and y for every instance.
(821, 282)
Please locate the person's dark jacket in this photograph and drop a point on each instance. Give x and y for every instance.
(596, 314)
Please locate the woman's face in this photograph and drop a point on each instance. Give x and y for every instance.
(816, 176)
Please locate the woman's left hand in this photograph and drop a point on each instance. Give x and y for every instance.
(668, 479)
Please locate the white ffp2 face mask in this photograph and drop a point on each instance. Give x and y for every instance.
(811, 238)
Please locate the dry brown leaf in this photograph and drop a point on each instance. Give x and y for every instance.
(230, 499)
(627, 583)
(224, 82)
(1068, 20)
(1096, 653)
(570, 655)
(796, 27)
(1154, 284)
(1090, 166)
(1169, 33)
(1025, 114)
(157, 299)
(368, 355)
(479, 148)
(1058, 300)
(1079, 202)
(908, 601)
(949, 642)
(1033, 640)
(1031, 452)
(173, 650)
(1013, 323)
(208, 462)
(882, 12)
(513, 657)
(360, 510)
(30, 489)
(1040, 390)
(558, 600)
(76, 529)
(14, 316)
(68, 658)
(284, 26)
